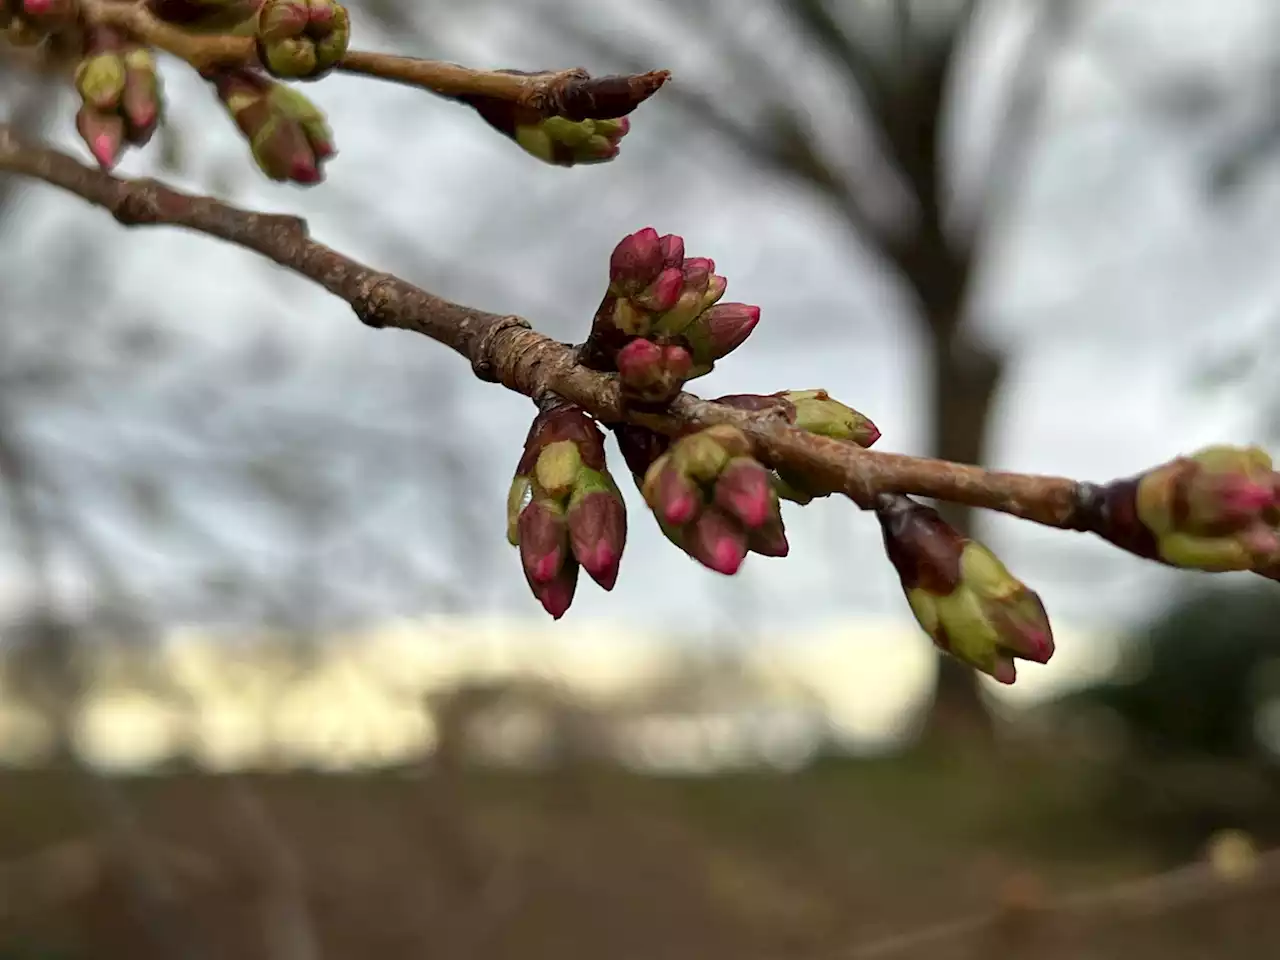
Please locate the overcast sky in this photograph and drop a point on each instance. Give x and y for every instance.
(1114, 279)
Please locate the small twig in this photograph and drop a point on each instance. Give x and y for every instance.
(198, 50)
(504, 349)
(568, 93)
(287, 928)
(1150, 896)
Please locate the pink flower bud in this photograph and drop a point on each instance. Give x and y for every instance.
(745, 490)
(556, 595)
(717, 542)
(697, 272)
(674, 496)
(544, 537)
(725, 327)
(103, 133)
(672, 250)
(663, 293)
(636, 260)
(676, 361)
(640, 361)
(598, 532)
(651, 373)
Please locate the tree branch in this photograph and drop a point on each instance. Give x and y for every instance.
(566, 93)
(505, 349)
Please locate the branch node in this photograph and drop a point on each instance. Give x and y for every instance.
(138, 205)
(482, 364)
(375, 300)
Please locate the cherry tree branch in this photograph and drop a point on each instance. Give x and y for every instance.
(566, 93)
(506, 350)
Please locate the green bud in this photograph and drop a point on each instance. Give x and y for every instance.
(962, 596)
(818, 413)
(558, 468)
(100, 81)
(535, 141)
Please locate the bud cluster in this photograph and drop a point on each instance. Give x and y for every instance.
(287, 133)
(714, 500)
(1215, 510)
(120, 95)
(302, 39)
(564, 510)
(816, 412)
(961, 594)
(661, 322)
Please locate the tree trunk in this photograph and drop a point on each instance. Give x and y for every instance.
(963, 381)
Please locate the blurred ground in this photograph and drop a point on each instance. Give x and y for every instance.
(596, 864)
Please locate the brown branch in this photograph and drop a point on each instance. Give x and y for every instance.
(567, 93)
(504, 349)
(201, 51)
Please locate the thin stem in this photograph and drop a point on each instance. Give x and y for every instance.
(570, 93)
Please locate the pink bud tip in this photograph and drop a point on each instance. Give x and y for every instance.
(697, 268)
(672, 250)
(1244, 498)
(304, 171)
(602, 564)
(744, 491)
(872, 435)
(678, 501)
(638, 358)
(104, 150)
(677, 360)
(665, 291)
(624, 127)
(726, 556)
(145, 116)
(556, 597)
(729, 325)
(1037, 646)
(636, 259)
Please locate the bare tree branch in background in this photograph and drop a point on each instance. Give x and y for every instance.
(661, 323)
(899, 65)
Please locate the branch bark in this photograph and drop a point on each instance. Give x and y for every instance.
(506, 350)
(566, 93)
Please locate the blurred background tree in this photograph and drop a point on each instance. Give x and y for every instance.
(157, 474)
